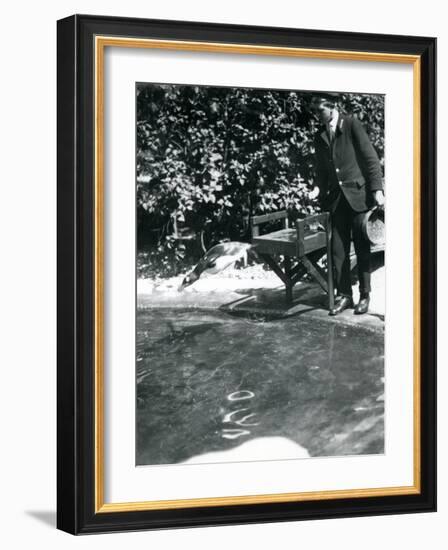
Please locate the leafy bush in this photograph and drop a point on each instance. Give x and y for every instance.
(210, 157)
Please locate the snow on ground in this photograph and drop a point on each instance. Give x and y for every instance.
(232, 281)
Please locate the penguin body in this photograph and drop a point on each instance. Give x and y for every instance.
(215, 260)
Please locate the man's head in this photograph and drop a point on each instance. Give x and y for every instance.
(323, 105)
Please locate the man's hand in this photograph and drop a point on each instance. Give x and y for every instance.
(378, 198)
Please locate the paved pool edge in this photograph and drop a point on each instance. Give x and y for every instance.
(238, 304)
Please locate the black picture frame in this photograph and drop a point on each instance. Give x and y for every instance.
(77, 510)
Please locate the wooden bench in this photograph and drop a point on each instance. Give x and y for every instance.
(301, 247)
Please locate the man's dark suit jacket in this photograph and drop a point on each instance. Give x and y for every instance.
(350, 164)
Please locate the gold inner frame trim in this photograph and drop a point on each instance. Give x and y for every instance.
(101, 42)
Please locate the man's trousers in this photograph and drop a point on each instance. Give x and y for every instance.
(347, 224)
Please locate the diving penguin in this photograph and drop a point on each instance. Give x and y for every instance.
(218, 258)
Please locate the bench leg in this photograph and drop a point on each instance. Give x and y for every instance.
(289, 284)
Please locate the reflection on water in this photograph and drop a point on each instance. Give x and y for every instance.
(208, 382)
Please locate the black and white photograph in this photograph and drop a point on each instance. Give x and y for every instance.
(222, 242)
(260, 274)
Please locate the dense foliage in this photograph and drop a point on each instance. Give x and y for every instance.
(210, 157)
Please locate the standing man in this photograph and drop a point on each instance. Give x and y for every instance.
(349, 179)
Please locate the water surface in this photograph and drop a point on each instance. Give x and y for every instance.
(209, 381)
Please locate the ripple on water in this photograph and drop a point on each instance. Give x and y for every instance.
(240, 395)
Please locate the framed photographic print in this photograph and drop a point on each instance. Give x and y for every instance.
(246, 274)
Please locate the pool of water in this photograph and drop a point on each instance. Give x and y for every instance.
(210, 382)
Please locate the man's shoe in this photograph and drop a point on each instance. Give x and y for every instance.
(363, 305)
(344, 302)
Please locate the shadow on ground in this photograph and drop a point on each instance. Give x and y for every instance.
(308, 298)
(47, 517)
